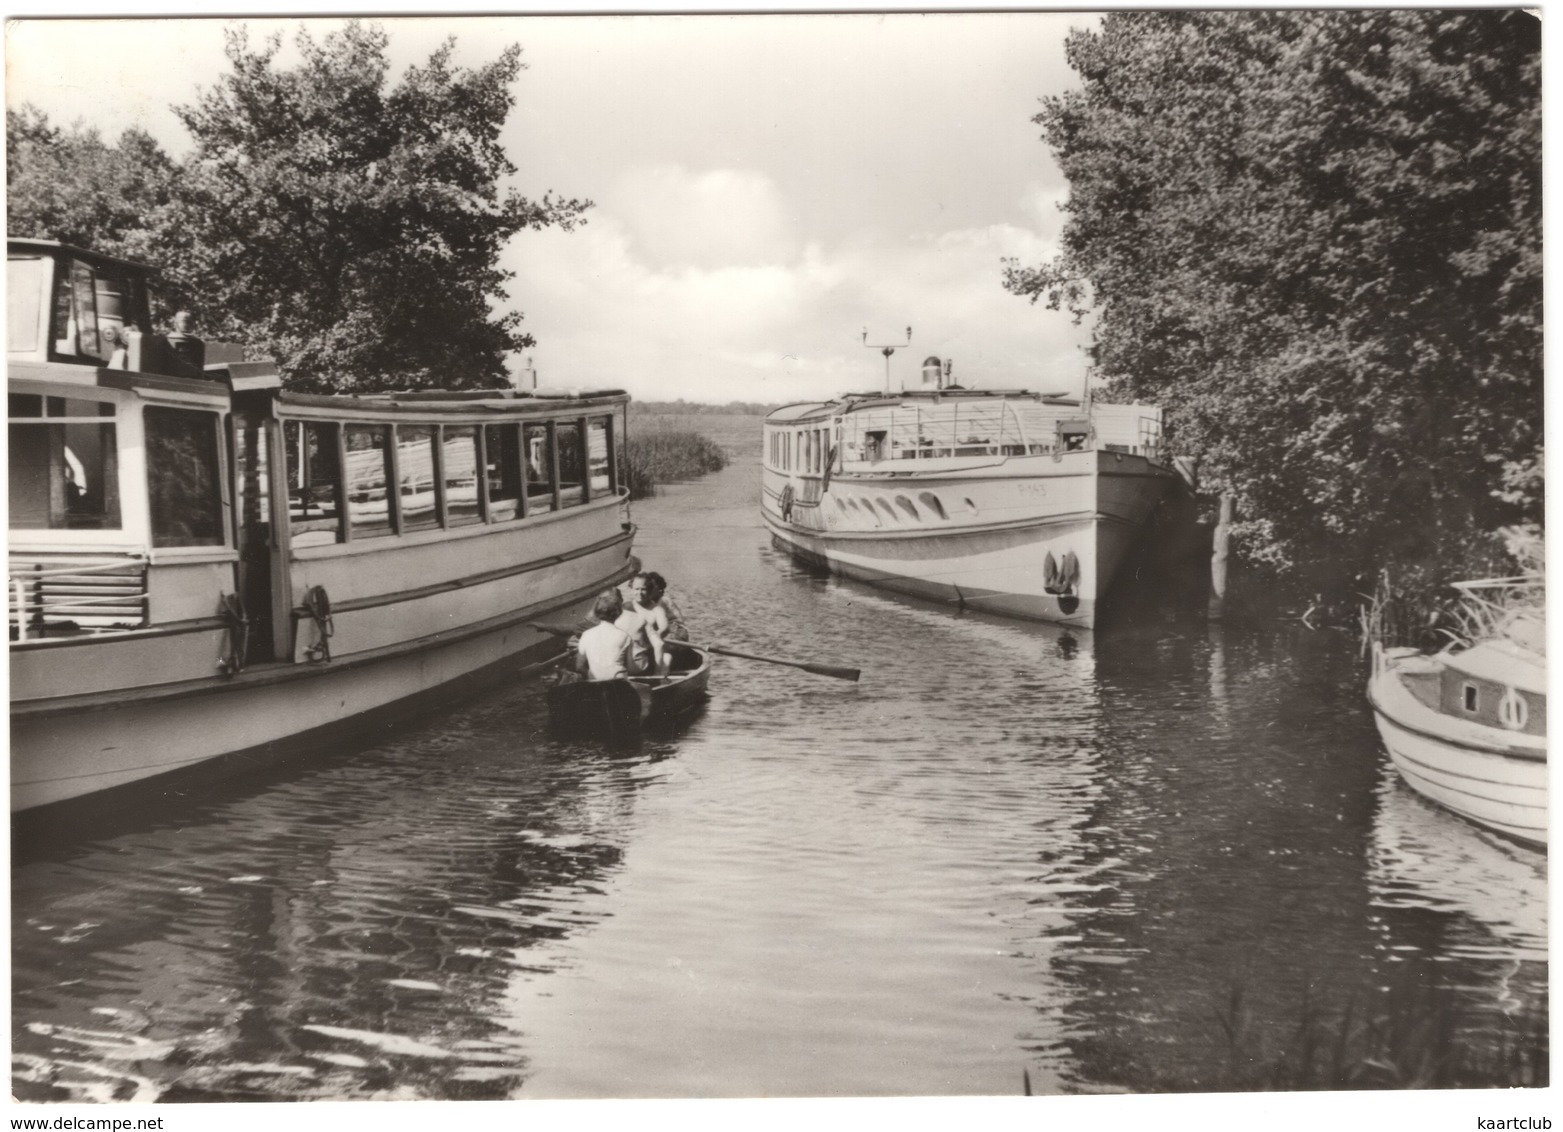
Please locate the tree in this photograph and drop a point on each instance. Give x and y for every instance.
(351, 230)
(1314, 237)
(72, 186)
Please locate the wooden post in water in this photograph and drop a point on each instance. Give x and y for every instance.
(1218, 559)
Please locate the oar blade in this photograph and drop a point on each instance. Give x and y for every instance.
(832, 671)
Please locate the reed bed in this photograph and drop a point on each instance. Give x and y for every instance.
(1413, 1034)
(669, 455)
(1408, 613)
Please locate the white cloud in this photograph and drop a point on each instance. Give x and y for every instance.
(765, 316)
(707, 219)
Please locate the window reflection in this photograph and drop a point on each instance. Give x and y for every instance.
(459, 451)
(415, 457)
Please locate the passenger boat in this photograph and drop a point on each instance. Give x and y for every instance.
(205, 567)
(1467, 727)
(1005, 501)
(620, 708)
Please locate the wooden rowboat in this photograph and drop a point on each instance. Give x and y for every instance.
(621, 708)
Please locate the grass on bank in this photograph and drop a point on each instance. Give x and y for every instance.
(669, 455)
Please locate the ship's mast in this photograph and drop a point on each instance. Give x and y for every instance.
(887, 351)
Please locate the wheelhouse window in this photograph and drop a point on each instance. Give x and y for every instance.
(27, 287)
(184, 477)
(540, 463)
(368, 474)
(314, 482)
(502, 460)
(459, 463)
(572, 463)
(63, 464)
(92, 310)
(418, 476)
(599, 478)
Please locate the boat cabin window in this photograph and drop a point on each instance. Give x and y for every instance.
(368, 473)
(459, 467)
(572, 463)
(63, 465)
(184, 477)
(27, 286)
(1470, 698)
(314, 485)
(502, 459)
(541, 464)
(621, 475)
(417, 477)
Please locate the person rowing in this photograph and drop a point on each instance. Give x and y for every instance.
(603, 651)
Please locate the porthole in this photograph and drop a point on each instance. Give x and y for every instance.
(906, 505)
(931, 501)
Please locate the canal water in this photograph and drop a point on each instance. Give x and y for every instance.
(1167, 856)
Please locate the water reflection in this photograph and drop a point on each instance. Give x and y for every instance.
(344, 933)
(1442, 887)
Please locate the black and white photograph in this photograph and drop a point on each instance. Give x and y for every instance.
(961, 565)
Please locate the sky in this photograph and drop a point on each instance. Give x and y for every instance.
(766, 188)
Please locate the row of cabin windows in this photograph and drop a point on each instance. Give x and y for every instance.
(64, 472)
(807, 450)
(527, 469)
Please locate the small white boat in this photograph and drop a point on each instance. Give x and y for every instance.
(1467, 727)
(1006, 501)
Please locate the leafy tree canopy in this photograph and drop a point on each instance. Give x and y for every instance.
(347, 226)
(1315, 238)
(70, 185)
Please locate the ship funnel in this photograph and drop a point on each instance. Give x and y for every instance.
(933, 372)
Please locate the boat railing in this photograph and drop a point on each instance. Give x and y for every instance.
(1511, 607)
(50, 594)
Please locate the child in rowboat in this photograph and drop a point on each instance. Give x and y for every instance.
(603, 651)
(657, 593)
(646, 622)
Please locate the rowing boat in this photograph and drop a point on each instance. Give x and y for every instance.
(620, 708)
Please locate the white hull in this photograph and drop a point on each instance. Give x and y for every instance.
(65, 747)
(1493, 778)
(982, 539)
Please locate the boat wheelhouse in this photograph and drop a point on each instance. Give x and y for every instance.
(1007, 501)
(202, 564)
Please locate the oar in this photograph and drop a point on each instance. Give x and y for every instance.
(818, 669)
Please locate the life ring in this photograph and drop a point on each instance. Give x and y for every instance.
(1513, 711)
(786, 504)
